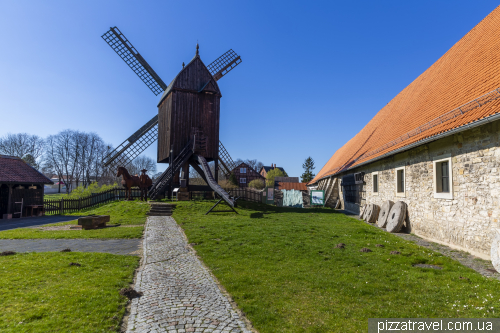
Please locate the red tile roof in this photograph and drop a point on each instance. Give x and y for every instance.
(446, 96)
(15, 170)
(292, 186)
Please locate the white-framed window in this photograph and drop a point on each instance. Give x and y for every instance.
(243, 170)
(400, 182)
(375, 183)
(442, 177)
(243, 180)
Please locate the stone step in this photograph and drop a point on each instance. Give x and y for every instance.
(159, 214)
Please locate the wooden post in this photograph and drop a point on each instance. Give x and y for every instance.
(216, 162)
(61, 207)
(9, 199)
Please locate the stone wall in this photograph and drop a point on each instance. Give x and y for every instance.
(465, 221)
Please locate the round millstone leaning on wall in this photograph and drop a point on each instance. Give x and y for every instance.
(396, 217)
(384, 213)
(495, 250)
(372, 213)
(363, 211)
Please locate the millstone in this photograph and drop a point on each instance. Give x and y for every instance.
(384, 213)
(495, 250)
(372, 213)
(396, 217)
(362, 212)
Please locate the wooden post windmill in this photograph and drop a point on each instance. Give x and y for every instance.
(187, 123)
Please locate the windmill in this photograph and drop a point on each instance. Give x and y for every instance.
(187, 123)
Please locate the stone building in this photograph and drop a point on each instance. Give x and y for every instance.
(435, 146)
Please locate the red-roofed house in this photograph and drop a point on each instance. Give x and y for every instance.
(19, 182)
(435, 146)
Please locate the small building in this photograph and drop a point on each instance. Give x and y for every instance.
(245, 174)
(292, 186)
(19, 182)
(265, 169)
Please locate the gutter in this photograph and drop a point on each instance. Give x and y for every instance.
(424, 141)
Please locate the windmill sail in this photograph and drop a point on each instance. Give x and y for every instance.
(120, 44)
(224, 64)
(226, 162)
(129, 149)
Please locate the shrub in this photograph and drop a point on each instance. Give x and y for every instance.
(233, 180)
(82, 192)
(257, 184)
(224, 183)
(272, 174)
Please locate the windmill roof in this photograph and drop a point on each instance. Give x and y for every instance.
(171, 85)
(15, 170)
(458, 89)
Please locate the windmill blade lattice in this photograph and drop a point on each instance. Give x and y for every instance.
(224, 64)
(225, 160)
(120, 44)
(129, 149)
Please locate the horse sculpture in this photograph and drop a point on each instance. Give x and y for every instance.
(143, 182)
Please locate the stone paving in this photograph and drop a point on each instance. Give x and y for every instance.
(179, 293)
(114, 246)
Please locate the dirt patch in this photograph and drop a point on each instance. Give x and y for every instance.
(130, 293)
(427, 266)
(79, 227)
(7, 253)
(66, 250)
(365, 249)
(75, 264)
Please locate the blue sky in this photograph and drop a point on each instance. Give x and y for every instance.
(313, 72)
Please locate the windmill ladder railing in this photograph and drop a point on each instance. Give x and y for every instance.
(160, 185)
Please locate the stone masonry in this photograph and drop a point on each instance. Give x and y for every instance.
(467, 220)
(179, 293)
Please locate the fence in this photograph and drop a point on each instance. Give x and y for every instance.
(63, 206)
(241, 193)
(246, 194)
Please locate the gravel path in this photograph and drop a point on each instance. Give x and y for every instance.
(114, 246)
(179, 293)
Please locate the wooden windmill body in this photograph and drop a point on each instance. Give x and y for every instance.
(187, 123)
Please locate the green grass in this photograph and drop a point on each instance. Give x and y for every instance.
(283, 270)
(57, 196)
(120, 212)
(41, 293)
(30, 233)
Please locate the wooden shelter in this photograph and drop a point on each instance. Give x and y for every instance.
(20, 182)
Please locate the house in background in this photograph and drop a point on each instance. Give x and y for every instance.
(245, 174)
(265, 169)
(19, 183)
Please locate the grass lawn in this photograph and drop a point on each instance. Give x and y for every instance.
(282, 268)
(57, 196)
(57, 297)
(120, 212)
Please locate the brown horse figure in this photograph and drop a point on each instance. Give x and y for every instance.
(146, 184)
(128, 181)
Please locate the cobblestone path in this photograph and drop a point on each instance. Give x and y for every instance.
(179, 293)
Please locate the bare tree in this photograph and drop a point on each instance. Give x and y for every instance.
(140, 163)
(23, 145)
(63, 155)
